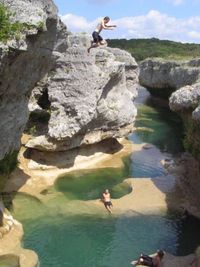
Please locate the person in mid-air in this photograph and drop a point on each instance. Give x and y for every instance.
(107, 200)
(97, 39)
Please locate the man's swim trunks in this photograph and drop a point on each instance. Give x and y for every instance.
(97, 38)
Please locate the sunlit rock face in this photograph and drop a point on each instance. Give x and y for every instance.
(90, 96)
(162, 77)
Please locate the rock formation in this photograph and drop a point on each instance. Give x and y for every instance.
(162, 77)
(89, 97)
(180, 81)
(23, 62)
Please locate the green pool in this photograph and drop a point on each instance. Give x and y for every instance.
(65, 231)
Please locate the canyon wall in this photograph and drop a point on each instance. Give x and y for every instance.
(180, 83)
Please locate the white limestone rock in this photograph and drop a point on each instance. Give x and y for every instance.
(90, 95)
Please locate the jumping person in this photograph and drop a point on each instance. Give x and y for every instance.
(107, 200)
(97, 39)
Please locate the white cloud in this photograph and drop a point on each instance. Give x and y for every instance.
(194, 35)
(77, 23)
(152, 24)
(178, 2)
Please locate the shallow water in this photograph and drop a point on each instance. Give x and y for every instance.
(65, 231)
(164, 126)
(86, 185)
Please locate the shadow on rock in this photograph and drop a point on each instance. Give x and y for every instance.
(66, 159)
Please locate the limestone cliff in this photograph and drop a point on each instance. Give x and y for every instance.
(23, 62)
(162, 77)
(78, 98)
(180, 81)
(89, 97)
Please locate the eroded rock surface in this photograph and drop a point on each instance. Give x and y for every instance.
(165, 76)
(90, 96)
(25, 61)
(180, 82)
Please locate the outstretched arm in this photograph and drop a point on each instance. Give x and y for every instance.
(108, 27)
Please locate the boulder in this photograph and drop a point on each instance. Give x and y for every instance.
(90, 95)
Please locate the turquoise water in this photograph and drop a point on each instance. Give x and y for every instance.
(86, 185)
(160, 127)
(66, 231)
(98, 241)
(165, 129)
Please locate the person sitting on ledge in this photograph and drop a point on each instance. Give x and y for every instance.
(97, 39)
(107, 200)
(154, 261)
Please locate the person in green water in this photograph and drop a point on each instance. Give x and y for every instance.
(107, 200)
(97, 39)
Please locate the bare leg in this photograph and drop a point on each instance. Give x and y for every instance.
(93, 45)
(109, 209)
(103, 43)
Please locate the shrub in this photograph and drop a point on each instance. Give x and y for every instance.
(8, 29)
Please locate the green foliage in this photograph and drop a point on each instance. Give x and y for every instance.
(145, 48)
(41, 25)
(32, 130)
(8, 29)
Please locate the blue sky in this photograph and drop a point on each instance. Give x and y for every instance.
(177, 20)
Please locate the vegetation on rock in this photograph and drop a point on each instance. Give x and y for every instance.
(8, 29)
(145, 48)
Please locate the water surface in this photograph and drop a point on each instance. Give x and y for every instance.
(65, 231)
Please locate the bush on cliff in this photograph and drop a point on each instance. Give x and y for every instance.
(8, 29)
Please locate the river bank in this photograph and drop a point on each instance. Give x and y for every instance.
(148, 195)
